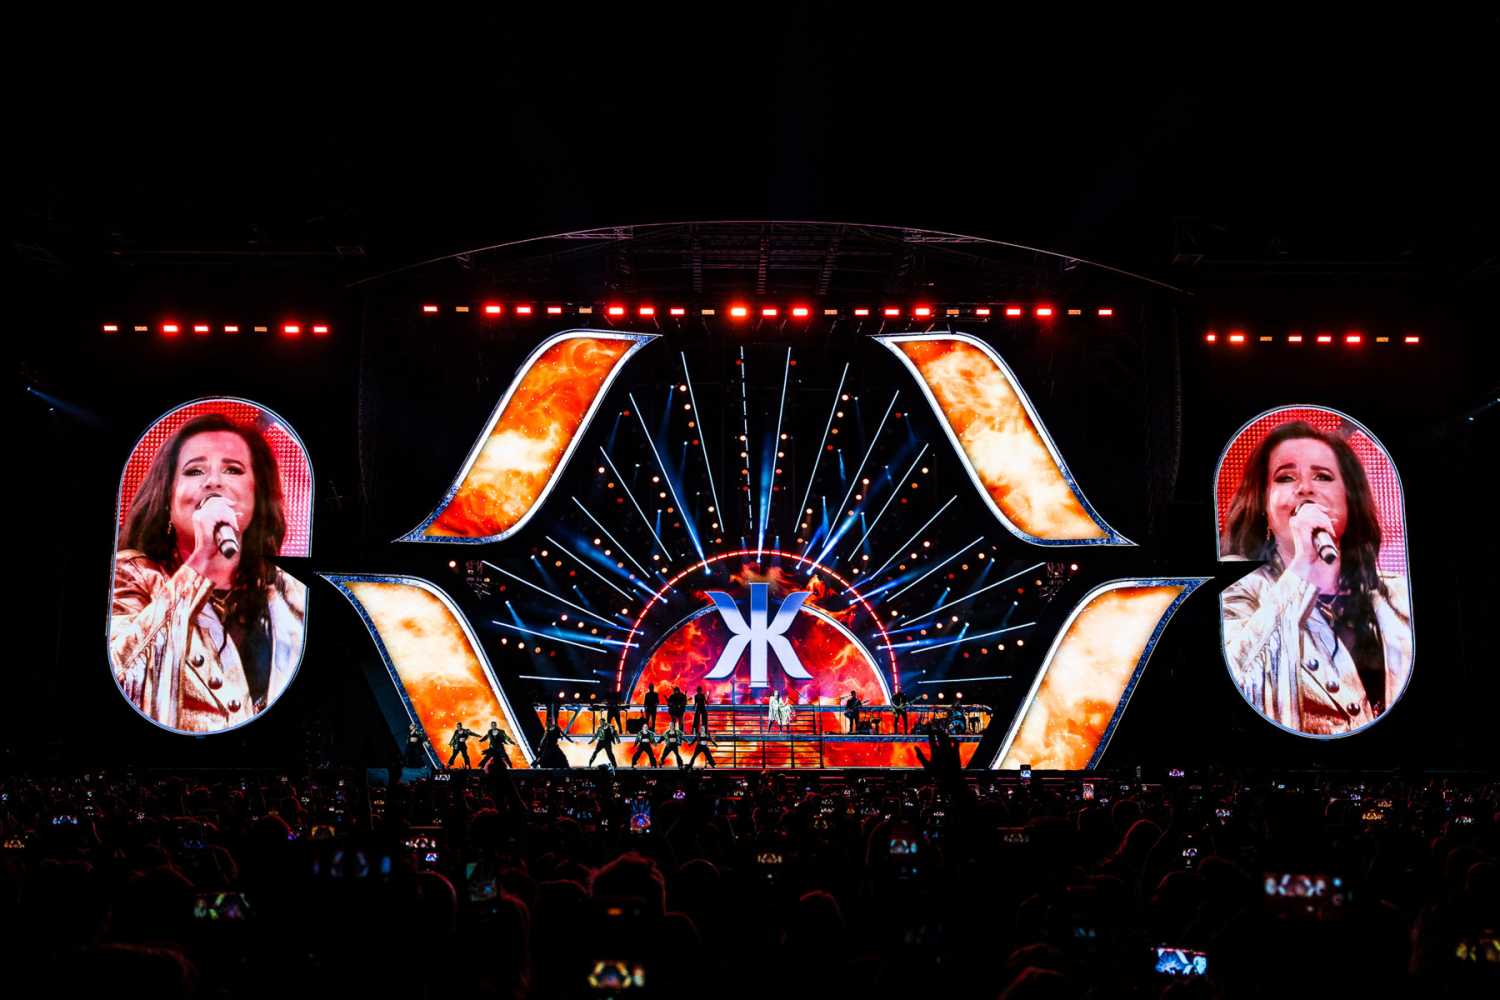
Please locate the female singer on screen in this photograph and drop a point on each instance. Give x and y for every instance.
(204, 635)
(1318, 640)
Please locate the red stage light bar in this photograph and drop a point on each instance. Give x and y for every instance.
(769, 312)
(890, 312)
(1236, 337)
(320, 330)
(201, 328)
(493, 309)
(616, 310)
(677, 311)
(1012, 310)
(739, 312)
(523, 310)
(1325, 338)
(111, 328)
(801, 312)
(647, 310)
(1211, 337)
(1044, 312)
(429, 309)
(922, 312)
(1106, 311)
(982, 311)
(170, 329)
(1411, 338)
(861, 311)
(1354, 338)
(231, 328)
(291, 330)
(554, 310)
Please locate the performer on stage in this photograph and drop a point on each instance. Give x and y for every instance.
(651, 701)
(497, 739)
(851, 711)
(773, 711)
(606, 736)
(643, 743)
(700, 711)
(671, 744)
(414, 740)
(701, 749)
(900, 723)
(549, 753)
(676, 706)
(459, 742)
(613, 714)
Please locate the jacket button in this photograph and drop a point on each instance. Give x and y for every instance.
(215, 681)
(234, 705)
(1333, 686)
(1311, 665)
(1353, 707)
(197, 660)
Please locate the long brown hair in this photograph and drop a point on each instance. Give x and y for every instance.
(150, 517)
(1247, 531)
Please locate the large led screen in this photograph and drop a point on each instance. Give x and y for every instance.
(1318, 637)
(205, 630)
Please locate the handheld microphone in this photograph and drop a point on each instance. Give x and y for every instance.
(226, 538)
(1328, 549)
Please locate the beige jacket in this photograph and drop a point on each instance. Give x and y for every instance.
(1277, 644)
(171, 657)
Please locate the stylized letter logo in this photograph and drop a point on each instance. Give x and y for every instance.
(758, 634)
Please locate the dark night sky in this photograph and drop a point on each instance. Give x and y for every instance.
(1316, 136)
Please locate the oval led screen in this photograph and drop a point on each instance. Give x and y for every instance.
(1318, 636)
(205, 630)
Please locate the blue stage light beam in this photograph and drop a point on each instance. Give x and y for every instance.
(812, 476)
(842, 514)
(892, 499)
(687, 522)
(924, 576)
(555, 597)
(708, 469)
(768, 480)
(582, 562)
(975, 593)
(902, 547)
(664, 550)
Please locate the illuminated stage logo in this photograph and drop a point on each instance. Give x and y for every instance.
(758, 635)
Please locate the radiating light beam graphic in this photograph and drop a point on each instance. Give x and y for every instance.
(1075, 704)
(902, 547)
(624, 486)
(552, 638)
(841, 515)
(626, 552)
(687, 522)
(708, 469)
(584, 563)
(547, 593)
(969, 680)
(812, 476)
(765, 506)
(889, 500)
(975, 593)
(970, 638)
(871, 593)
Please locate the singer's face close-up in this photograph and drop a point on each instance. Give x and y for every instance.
(1303, 469)
(212, 462)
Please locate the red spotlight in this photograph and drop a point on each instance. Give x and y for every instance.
(1354, 338)
(982, 311)
(861, 311)
(769, 312)
(677, 311)
(1211, 337)
(922, 312)
(1012, 310)
(554, 310)
(616, 310)
(739, 312)
(1236, 337)
(493, 309)
(1294, 338)
(200, 328)
(1106, 311)
(320, 329)
(429, 309)
(111, 328)
(801, 312)
(1411, 338)
(170, 329)
(1325, 338)
(523, 310)
(647, 310)
(231, 328)
(890, 312)
(1044, 312)
(291, 330)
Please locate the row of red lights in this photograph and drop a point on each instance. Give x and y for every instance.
(1353, 338)
(171, 329)
(740, 311)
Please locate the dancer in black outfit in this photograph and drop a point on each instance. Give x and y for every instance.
(643, 742)
(676, 706)
(671, 744)
(497, 739)
(613, 712)
(459, 742)
(900, 723)
(701, 749)
(700, 711)
(549, 752)
(414, 739)
(851, 711)
(606, 736)
(651, 701)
